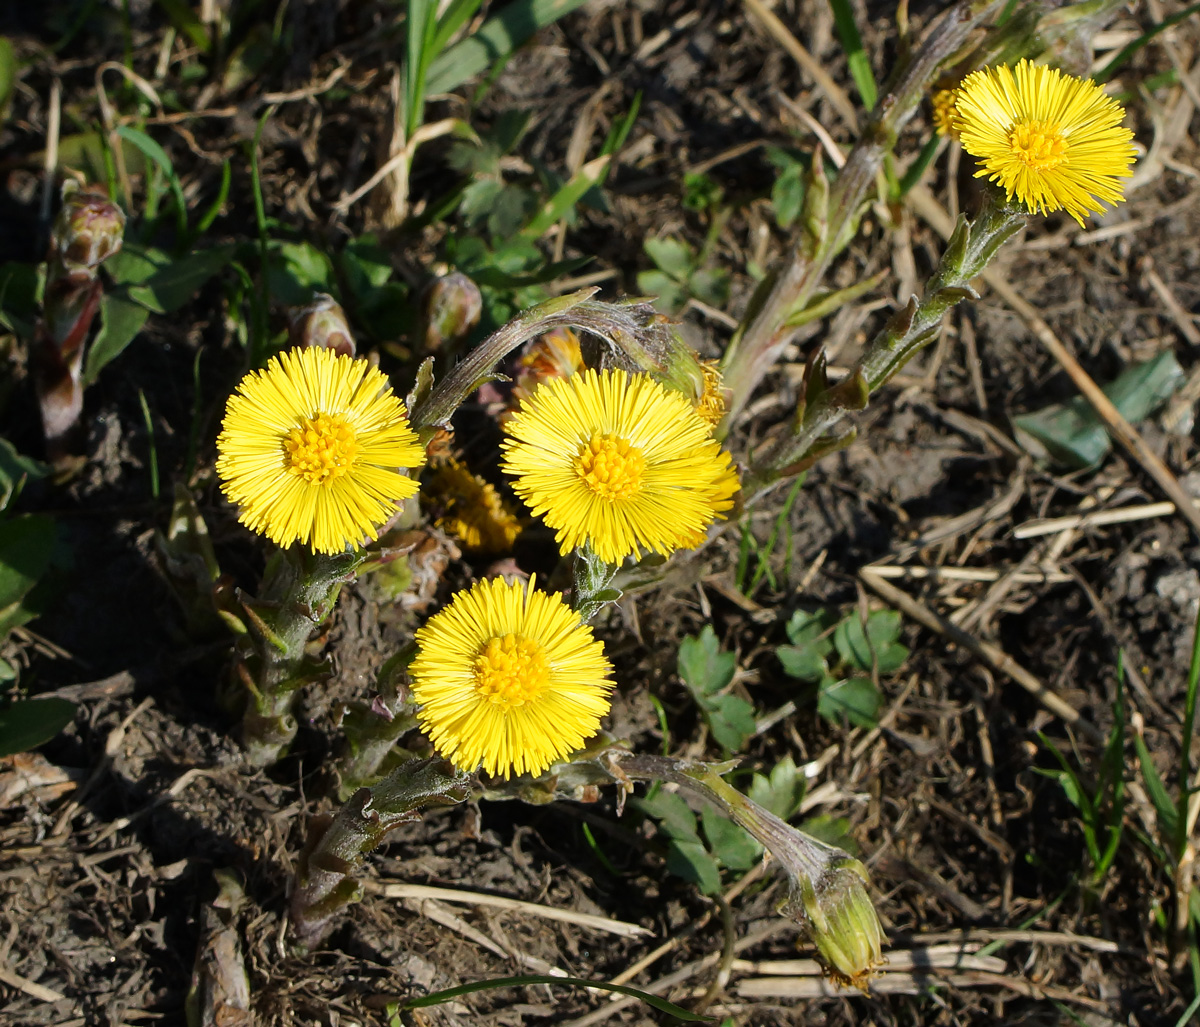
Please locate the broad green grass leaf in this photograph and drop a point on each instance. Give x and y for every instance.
(26, 549)
(174, 284)
(498, 37)
(856, 57)
(28, 723)
(856, 699)
(1163, 806)
(120, 322)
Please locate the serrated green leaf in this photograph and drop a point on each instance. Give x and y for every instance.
(731, 720)
(805, 628)
(805, 663)
(694, 863)
(855, 699)
(671, 256)
(876, 643)
(703, 666)
(28, 723)
(782, 791)
(731, 843)
(674, 815)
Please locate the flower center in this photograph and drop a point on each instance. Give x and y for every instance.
(1040, 144)
(321, 449)
(610, 467)
(511, 671)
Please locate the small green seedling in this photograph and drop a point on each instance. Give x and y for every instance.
(708, 671)
(846, 688)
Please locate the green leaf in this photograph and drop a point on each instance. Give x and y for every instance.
(876, 644)
(805, 663)
(1163, 806)
(565, 198)
(14, 470)
(787, 194)
(675, 816)
(671, 296)
(1073, 434)
(295, 271)
(157, 154)
(26, 549)
(120, 322)
(693, 862)
(499, 36)
(28, 723)
(731, 720)
(672, 256)
(856, 57)
(782, 791)
(19, 299)
(437, 997)
(731, 843)
(702, 664)
(855, 699)
(8, 75)
(365, 264)
(804, 628)
(711, 286)
(478, 199)
(174, 284)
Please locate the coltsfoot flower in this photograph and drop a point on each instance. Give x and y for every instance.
(508, 678)
(619, 462)
(945, 112)
(711, 404)
(1053, 141)
(469, 508)
(312, 448)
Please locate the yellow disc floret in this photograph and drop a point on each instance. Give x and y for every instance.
(507, 678)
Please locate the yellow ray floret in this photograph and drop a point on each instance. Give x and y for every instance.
(620, 462)
(507, 678)
(1053, 141)
(311, 450)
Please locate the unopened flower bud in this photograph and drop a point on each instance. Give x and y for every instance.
(450, 308)
(839, 915)
(89, 229)
(322, 325)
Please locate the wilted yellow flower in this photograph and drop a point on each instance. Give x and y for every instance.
(711, 404)
(311, 450)
(1052, 140)
(619, 462)
(470, 508)
(508, 678)
(556, 354)
(945, 111)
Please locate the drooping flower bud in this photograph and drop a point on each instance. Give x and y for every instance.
(322, 325)
(89, 228)
(450, 308)
(838, 914)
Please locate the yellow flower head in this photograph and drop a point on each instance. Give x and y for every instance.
(556, 354)
(470, 508)
(620, 462)
(711, 404)
(311, 450)
(508, 678)
(1052, 140)
(945, 112)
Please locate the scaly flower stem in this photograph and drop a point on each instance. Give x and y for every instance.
(372, 730)
(299, 591)
(970, 249)
(757, 346)
(336, 846)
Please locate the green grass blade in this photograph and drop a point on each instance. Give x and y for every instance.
(856, 56)
(498, 37)
(150, 440)
(917, 168)
(1157, 791)
(456, 15)
(1189, 727)
(157, 154)
(1126, 52)
(214, 208)
(662, 1005)
(591, 174)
